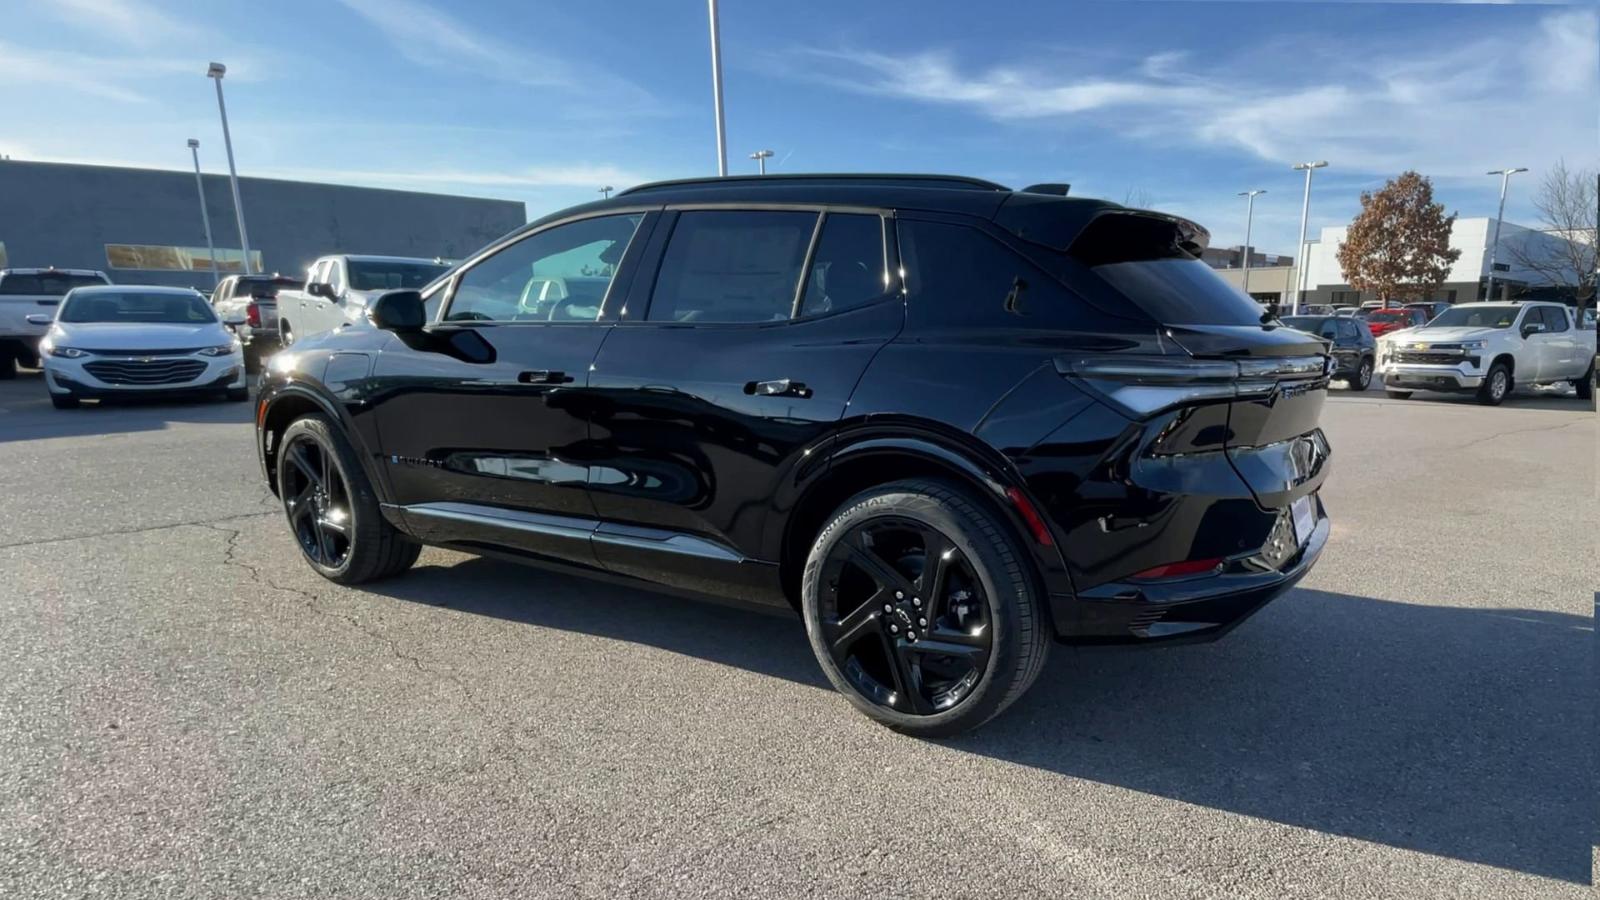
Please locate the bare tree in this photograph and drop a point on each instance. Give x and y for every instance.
(1568, 202)
(1138, 198)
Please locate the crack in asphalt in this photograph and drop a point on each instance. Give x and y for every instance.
(1516, 431)
(204, 523)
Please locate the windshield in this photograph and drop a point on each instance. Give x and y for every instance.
(383, 275)
(47, 284)
(137, 306)
(1497, 316)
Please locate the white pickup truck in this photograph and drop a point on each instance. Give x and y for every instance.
(338, 288)
(33, 292)
(1488, 349)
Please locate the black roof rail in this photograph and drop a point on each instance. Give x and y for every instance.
(952, 182)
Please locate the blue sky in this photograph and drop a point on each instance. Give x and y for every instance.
(1177, 104)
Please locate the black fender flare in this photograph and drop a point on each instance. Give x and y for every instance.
(274, 394)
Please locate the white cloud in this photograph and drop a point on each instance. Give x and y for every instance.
(126, 21)
(1448, 109)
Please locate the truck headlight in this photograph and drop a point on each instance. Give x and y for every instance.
(1474, 345)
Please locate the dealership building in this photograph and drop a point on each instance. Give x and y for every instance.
(143, 226)
(1325, 281)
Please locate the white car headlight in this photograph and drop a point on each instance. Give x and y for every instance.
(1474, 345)
(220, 349)
(66, 352)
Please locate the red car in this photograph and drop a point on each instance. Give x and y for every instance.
(1383, 321)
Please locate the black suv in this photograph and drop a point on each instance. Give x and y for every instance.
(945, 421)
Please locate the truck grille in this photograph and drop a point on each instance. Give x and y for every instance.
(1427, 357)
(146, 371)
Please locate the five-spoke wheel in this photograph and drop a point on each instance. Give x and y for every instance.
(920, 610)
(316, 501)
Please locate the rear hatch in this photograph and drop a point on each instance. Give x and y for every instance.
(1256, 385)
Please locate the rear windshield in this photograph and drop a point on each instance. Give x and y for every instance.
(137, 306)
(372, 275)
(266, 287)
(1181, 292)
(48, 284)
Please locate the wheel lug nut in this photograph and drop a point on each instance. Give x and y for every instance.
(899, 596)
(887, 608)
(916, 601)
(922, 622)
(911, 636)
(894, 629)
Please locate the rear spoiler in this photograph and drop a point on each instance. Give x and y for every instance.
(1099, 230)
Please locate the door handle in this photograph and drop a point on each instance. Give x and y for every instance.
(543, 376)
(779, 387)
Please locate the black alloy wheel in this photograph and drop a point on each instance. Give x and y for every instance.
(920, 611)
(317, 502)
(332, 510)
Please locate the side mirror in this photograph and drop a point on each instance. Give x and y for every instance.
(234, 321)
(320, 289)
(40, 319)
(398, 311)
(1532, 328)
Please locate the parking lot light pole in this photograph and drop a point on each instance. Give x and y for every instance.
(1249, 216)
(1305, 214)
(761, 157)
(205, 217)
(716, 89)
(1494, 246)
(605, 192)
(216, 70)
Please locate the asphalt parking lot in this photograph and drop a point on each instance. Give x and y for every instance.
(187, 711)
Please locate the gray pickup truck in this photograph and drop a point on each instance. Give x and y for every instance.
(33, 292)
(254, 299)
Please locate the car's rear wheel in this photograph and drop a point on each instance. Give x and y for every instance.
(1363, 379)
(332, 510)
(8, 364)
(1496, 385)
(921, 610)
(1585, 385)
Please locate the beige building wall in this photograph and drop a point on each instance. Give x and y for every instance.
(1270, 280)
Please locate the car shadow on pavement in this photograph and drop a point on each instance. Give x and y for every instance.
(26, 413)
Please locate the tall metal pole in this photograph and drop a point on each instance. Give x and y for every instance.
(205, 217)
(761, 156)
(716, 89)
(216, 71)
(1494, 248)
(1249, 216)
(1305, 214)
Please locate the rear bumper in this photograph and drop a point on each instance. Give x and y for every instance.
(1190, 610)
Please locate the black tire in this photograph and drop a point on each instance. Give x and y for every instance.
(373, 548)
(1363, 376)
(252, 359)
(1585, 385)
(986, 557)
(30, 361)
(1393, 394)
(63, 401)
(285, 335)
(1497, 385)
(238, 395)
(8, 364)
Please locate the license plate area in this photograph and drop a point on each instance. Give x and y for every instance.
(1304, 515)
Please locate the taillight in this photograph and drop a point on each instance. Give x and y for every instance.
(1144, 385)
(1179, 569)
(252, 315)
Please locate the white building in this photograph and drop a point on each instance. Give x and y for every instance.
(1325, 281)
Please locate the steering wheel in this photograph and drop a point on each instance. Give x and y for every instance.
(559, 308)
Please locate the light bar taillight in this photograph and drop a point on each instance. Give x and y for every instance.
(1144, 385)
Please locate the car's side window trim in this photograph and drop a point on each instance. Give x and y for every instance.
(650, 268)
(625, 266)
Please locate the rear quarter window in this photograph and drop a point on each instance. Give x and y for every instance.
(1180, 292)
(957, 276)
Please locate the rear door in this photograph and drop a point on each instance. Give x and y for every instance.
(736, 353)
(1542, 344)
(1566, 357)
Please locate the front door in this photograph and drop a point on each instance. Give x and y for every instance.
(738, 353)
(481, 419)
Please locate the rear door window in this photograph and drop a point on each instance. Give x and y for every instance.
(732, 266)
(849, 267)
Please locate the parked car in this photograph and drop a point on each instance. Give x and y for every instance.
(337, 289)
(126, 340)
(1347, 310)
(1350, 342)
(1394, 318)
(1315, 309)
(945, 421)
(1489, 348)
(253, 300)
(1430, 308)
(24, 294)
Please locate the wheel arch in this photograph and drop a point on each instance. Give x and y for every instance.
(293, 401)
(1508, 359)
(866, 457)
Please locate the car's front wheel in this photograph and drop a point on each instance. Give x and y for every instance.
(63, 401)
(332, 510)
(921, 610)
(1496, 385)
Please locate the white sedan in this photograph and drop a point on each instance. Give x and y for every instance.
(121, 340)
